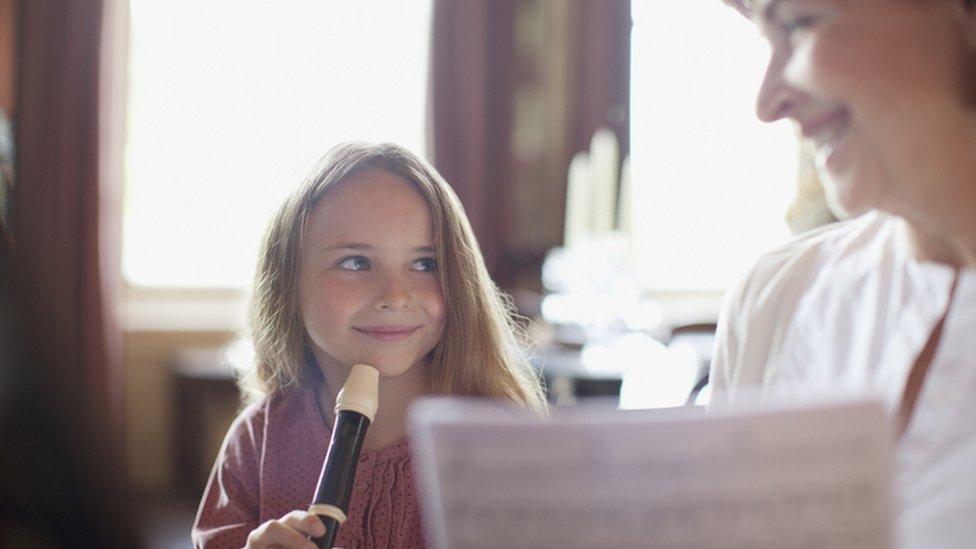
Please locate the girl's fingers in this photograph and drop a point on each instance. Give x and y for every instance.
(305, 522)
(290, 532)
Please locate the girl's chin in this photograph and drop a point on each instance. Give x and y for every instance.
(389, 367)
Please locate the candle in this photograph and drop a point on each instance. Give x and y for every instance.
(604, 158)
(578, 191)
(625, 209)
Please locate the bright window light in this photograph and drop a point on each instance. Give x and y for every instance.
(231, 102)
(711, 182)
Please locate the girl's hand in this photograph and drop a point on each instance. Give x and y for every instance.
(290, 531)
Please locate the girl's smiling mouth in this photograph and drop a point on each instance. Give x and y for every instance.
(387, 333)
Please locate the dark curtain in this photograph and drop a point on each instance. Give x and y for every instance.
(64, 233)
(472, 79)
(549, 71)
(602, 83)
(63, 476)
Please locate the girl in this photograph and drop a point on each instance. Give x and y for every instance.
(371, 260)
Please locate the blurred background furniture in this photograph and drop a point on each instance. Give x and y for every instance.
(205, 401)
(701, 337)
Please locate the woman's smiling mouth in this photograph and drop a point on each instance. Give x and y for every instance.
(827, 133)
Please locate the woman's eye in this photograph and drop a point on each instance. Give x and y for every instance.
(427, 264)
(799, 23)
(354, 263)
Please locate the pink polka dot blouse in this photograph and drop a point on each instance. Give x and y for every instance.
(270, 463)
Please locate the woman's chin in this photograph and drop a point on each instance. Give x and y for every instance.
(849, 192)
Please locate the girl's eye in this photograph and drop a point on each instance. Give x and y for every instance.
(427, 265)
(354, 263)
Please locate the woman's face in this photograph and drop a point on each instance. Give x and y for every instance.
(881, 87)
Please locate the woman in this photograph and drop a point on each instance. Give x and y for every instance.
(884, 302)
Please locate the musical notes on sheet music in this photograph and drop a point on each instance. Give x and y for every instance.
(814, 477)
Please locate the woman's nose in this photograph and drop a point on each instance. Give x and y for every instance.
(776, 98)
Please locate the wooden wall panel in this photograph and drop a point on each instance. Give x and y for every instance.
(8, 55)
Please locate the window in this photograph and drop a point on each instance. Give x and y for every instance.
(711, 182)
(231, 102)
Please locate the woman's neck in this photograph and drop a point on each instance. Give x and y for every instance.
(395, 397)
(960, 212)
(944, 230)
(938, 247)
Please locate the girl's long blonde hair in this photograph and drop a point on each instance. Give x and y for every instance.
(480, 352)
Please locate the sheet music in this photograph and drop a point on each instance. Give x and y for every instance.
(803, 477)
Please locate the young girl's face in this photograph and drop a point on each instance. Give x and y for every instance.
(368, 284)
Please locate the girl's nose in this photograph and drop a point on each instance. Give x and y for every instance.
(394, 295)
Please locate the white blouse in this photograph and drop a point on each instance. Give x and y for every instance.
(847, 309)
